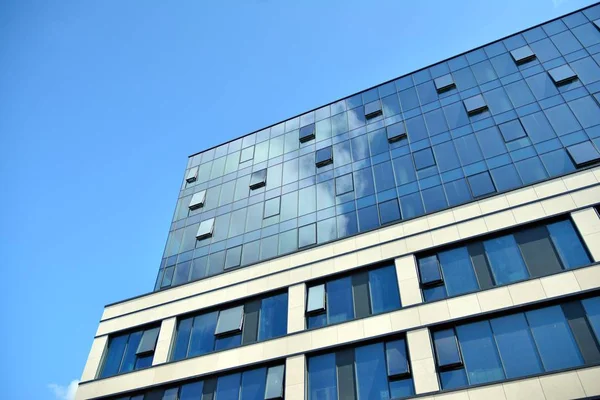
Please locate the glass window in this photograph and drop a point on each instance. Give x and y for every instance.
(409, 99)
(258, 179)
(274, 389)
(360, 147)
(378, 142)
(542, 86)
(148, 341)
(519, 93)
(562, 74)
(475, 104)
(457, 192)
(446, 156)
(454, 379)
(515, 343)
(182, 338)
(505, 259)
(402, 388)
(424, 158)
(391, 105)
(364, 182)
(481, 184)
(230, 320)
(481, 359)
(397, 361)
(205, 229)
(343, 184)
(247, 154)
(436, 122)
(383, 288)
(506, 177)
(395, 132)
(253, 384)
(191, 391)
(202, 338)
(389, 211)
(307, 133)
(324, 156)
(429, 270)
(434, 198)
(583, 153)
(538, 128)
(197, 200)
(114, 355)
(544, 50)
(446, 348)
(484, 72)
(566, 42)
(531, 170)
(562, 119)
(273, 317)
(522, 55)
(554, 339)
(491, 142)
(411, 205)
(416, 129)
(587, 70)
(228, 387)
(368, 218)
(557, 162)
(568, 244)
(322, 377)
(384, 176)
(339, 300)
(459, 275)
(444, 83)
(468, 149)
(271, 207)
(456, 115)
(586, 111)
(464, 79)
(497, 101)
(371, 376)
(307, 235)
(316, 298)
(404, 170)
(592, 310)
(427, 92)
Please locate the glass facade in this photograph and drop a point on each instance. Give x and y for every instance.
(521, 344)
(509, 114)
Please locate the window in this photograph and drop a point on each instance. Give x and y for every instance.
(247, 154)
(424, 158)
(307, 235)
(396, 132)
(264, 383)
(129, 351)
(561, 75)
(373, 109)
(517, 345)
(344, 184)
(258, 179)
(307, 133)
(532, 251)
(197, 200)
(205, 229)
(272, 207)
(323, 157)
(475, 105)
(191, 175)
(378, 370)
(481, 184)
(522, 55)
(355, 296)
(444, 83)
(256, 320)
(583, 154)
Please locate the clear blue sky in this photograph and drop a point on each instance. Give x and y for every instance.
(101, 102)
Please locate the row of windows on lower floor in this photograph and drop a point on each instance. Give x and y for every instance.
(538, 340)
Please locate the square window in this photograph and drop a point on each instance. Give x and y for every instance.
(344, 184)
(475, 105)
(429, 270)
(512, 130)
(373, 109)
(233, 257)
(148, 342)
(424, 158)
(583, 154)
(561, 75)
(247, 154)
(274, 386)
(522, 55)
(191, 175)
(258, 179)
(230, 320)
(396, 132)
(481, 184)
(307, 133)
(307, 235)
(272, 207)
(205, 229)
(316, 299)
(444, 83)
(197, 200)
(324, 156)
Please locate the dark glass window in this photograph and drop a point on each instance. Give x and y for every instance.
(480, 354)
(481, 184)
(258, 179)
(562, 75)
(446, 348)
(583, 154)
(459, 275)
(424, 158)
(129, 351)
(395, 132)
(322, 377)
(339, 300)
(505, 259)
(324, 156)
(389, 211)
(307, 133)
(568, 244)
(383, 289)
(522, 55)
(444, 83)
(475, 104)
(373, 109)
(273, 317)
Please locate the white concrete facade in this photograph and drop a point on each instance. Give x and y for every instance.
(572, 195)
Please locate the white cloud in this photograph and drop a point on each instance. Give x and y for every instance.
(64, 392)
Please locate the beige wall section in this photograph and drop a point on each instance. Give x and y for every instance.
(421, 358)
(588, 224)
(94, 358)
(410, 319)
(296, 301)
(295, 378)
(165, 338)
(408, 280)
(504, 210)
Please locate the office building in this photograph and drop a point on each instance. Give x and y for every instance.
(435, 236)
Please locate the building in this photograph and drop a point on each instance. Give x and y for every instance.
(438, 233)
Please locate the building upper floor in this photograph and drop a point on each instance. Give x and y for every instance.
(509, 114)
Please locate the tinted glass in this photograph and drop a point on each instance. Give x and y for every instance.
(569, 246)
(459, 275)
(446, 348)
(429, 270)
(481, 359)
(203, 334)
(230, 320)
(253, 384)
(371, 376)
(113, 358)
(322, 380)
(228, 387)
(273, 317)
(454, 379)
(339, 300)
(274, 389)
(505, 259)
(316, 298)
(592, 310)
(383, 288)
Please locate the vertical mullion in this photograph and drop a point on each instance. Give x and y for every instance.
(360, 294)
(251, 321)
(584, 337)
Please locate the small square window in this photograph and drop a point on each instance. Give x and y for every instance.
(247, 154)
(233, 257)
(424, 158)
(274, 386)
(148, 341)
(191, 175)
(197, 200)
(475, 105)
(307, 133)
(396, 132)
(373, 109)
(444, 83)
(512, 130)
(344, 184)
(205, 229)
(522, 55)
(316, 299)
(230, 320)
(258, 179)
(307, 235)
(272, 207)
(324, 156)
(561, 75)
(481, 184)
(583, 154)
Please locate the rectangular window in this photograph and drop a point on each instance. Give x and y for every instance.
(583, 154)
(561, 75)
(517, 345)
(444, 83)
(129, 352)
(247, 154)
(378, 370)
(396, 132)
(358, 295)
(424, 158)
(258, 179)
(197, 200)
(324, 156)
(205, 229)
(533, 251)
(191, 175)
(522, 55)
(307, 133)
(274, 386)
(254, 321)
(475, 105)
(373, 109)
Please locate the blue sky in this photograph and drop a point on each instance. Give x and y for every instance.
(101, 102)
